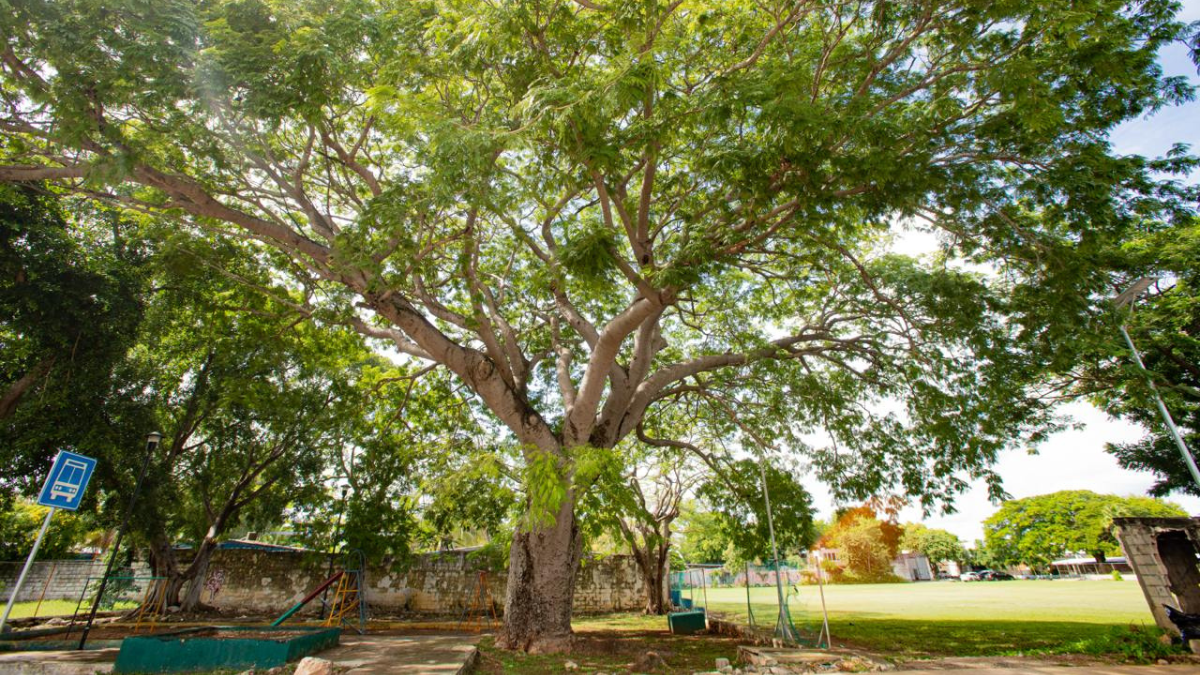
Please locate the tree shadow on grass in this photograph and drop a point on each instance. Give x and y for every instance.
(925, 638)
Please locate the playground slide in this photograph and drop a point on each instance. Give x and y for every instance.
(308, 598)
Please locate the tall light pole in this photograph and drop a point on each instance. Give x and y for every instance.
(1126, 299)
(152, 440)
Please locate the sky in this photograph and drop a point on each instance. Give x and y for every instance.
(1075, 459)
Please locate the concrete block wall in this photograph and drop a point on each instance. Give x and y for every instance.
(67, 579)
(1139, 542)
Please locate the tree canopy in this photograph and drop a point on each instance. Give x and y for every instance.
(591, 211)
(1038, 530)
(938, 545)
(1164, 325)
(71, 289)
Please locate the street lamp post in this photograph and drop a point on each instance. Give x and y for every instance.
(152, 440)
(1126, 299)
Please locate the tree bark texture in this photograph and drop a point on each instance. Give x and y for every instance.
(12, 395)
(653, 561)
(541, 585)
(197, 572)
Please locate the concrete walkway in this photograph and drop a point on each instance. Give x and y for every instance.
(86, 662)
(404, 654)
(362, 654)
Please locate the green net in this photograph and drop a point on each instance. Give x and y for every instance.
(750, 597)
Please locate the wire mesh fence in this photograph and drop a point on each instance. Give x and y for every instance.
(761, 598)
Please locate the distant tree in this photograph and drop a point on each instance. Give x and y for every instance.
(937, 545)
(1037, 530)
(736, 498)
(890, 532)
(979, 556)
(254, 399)
(862, 547)
(702, 538)
(637, 498)
(1165, 326)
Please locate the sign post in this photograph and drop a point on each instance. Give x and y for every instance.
(63, 489)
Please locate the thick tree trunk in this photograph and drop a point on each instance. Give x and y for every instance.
(197, 572)
(541, 585)
(653, 561)
(164, 564)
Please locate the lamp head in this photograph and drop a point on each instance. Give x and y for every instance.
(153, 438)
(1135, 290)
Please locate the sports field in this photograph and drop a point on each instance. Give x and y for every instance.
(955, 618)
(1109, 602)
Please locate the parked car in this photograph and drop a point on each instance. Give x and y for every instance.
(969, 576)
(992, 575)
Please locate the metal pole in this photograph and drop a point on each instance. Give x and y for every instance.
(337, 534)
(12, 599)
(45, 587)
(1162, 408)
(784, 626)
(749, 612)
(824, 611)
(151, 444)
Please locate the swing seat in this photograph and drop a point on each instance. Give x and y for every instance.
(686, 623)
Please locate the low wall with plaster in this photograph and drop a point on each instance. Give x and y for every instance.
(243, 581)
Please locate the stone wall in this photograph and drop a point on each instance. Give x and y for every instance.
(66, 577)
(1147, 544)
(245, 581)
(439, 583)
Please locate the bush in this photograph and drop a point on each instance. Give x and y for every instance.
(1117, 576)
(875, 578)
(839, 575)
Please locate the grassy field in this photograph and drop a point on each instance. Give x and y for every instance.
(1076, 621)
(965, 619)
(1107, 602)
(23, 610)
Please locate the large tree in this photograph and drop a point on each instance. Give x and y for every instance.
(255, 403)
(1037, 530)
(588, 210)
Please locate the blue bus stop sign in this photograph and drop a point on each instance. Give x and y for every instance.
(67, 480)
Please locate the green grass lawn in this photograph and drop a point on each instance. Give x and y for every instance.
(23, 610)
(1107, 602)
(964, 619)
